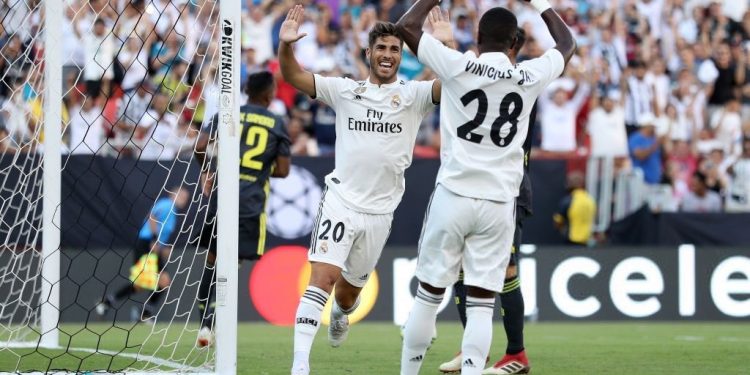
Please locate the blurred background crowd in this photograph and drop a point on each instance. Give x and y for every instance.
(662, 87)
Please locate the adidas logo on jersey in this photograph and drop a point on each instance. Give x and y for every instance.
(418, 358)
(309, 321)
(469, 363)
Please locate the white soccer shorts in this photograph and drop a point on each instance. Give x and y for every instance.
(460, 232)
(348, 239)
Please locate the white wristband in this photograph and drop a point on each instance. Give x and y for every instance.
(540, 5)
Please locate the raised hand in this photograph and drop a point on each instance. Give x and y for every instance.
(441, 26)
(289, 32)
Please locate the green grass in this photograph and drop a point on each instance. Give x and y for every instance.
(374, 349)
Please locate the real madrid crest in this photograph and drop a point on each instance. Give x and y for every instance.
(395, 101)
(360, 90)
(324, 247)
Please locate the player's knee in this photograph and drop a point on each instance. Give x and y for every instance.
(511, 272)
(324, 276)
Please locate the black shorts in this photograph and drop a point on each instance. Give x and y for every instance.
(252, 238)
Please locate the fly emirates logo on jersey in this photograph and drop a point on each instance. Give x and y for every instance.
(373, 123)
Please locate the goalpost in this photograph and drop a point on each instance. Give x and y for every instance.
(79, 176)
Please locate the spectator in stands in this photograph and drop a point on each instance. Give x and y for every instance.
(606, 125)
(131, 111)
(86, 130)
(640, 94)
(682, 164)
(645, 149)
(257, 27)
(558, 114)
(302, 143)
(700, 198)
(174, 82)
(714, 167)
(738, 197)
(723, 76)
(726, 124)
(155, 133)
(577, 212)
(99, 51)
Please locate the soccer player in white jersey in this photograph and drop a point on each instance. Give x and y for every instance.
(469, 222)
(376, 126)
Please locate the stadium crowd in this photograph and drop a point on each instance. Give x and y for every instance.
(661, 86)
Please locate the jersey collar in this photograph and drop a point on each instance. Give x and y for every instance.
(395, 83)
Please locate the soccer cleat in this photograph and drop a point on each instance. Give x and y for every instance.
(300, 368)
(338, 330)
(510, 364)
(205, 337)
(452, 366)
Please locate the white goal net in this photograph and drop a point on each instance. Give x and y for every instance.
(105, 211)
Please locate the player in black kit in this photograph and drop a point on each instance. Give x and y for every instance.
(264, 153)
(511, 299)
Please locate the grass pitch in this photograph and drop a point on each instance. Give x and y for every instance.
(374, 349)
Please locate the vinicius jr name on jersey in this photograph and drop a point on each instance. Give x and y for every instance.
(374, 123)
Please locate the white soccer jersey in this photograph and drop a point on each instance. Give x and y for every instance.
(376, 127)
(484, 116)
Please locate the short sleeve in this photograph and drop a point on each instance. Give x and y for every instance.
(328, 89)
(544, 69)
(423, 95)
(442, 60)
(161, 209)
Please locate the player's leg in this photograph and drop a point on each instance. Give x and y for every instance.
(514, 361)
(485, 259)
(329, 248)
(370, 233)
(438, 265)
(206, 288)
(110, 300)
(163, 282)
(459, 296)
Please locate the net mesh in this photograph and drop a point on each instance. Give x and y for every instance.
(138, 83)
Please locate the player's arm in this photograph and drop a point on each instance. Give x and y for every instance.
(281, 168)
(442, 31)
(559, 30)
(283, 153)
(293, 73)
(410, 24)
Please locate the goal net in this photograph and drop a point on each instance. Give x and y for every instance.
(103, 203)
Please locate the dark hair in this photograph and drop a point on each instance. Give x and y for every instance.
(383, 29)
(520, 39)
(258, 84)
(497, 28)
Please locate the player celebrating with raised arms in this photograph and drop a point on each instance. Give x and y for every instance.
(484, 121)
(376, 127)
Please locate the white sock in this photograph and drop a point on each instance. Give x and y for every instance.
(307, 322)
(477, 334)
(419, 329)
(337, 312)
